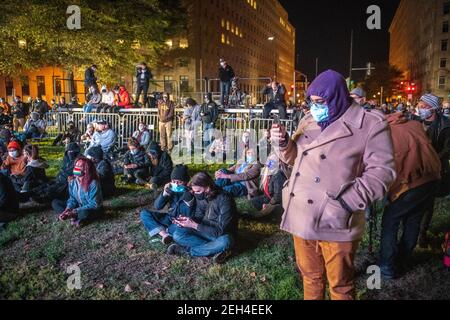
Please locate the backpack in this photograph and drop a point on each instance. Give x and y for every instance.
(446, 247)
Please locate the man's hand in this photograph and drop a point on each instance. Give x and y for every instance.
(185, 222)
(278, 135)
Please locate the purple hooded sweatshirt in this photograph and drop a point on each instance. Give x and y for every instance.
(331, 86)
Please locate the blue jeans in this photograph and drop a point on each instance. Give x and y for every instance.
(224, 92)
(201, 245)
(208, 133)
(236, 189)
(88, 108)
(155, 222)
(408, 210)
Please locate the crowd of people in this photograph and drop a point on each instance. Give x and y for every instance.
(345, 154)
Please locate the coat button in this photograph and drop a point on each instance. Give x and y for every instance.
(361, 205)
(323, 157)
(305, 153)
(316, 179)
(292, 195)
(297, 174)
(310, 201)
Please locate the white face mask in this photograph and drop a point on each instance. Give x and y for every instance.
(13, 154)
(141, 128)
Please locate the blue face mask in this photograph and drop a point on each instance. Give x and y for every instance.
(425, 114)
(177, 188)
(319, 112)
(250, 159)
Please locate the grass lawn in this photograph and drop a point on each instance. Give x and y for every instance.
(117, 260)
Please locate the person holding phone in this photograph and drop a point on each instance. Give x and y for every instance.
(157, 223)
(211, 227)
(343, 160)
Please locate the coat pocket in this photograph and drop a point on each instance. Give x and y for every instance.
(334, 218)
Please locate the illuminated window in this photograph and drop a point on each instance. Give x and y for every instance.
(223, 23)
(169, 43)
(184, 43)
(228, 25)
(223, 38)
(228, 40)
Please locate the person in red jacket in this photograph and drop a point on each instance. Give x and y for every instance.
(122, 97)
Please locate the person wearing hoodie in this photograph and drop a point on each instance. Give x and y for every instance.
(34, 174)
(58, 188)
(104, 137)
(359, 96)
(143, 136)
(160, 168)
(122, 98)
(210, 228)
(105, 171)
(438, 131)
(107, 99)
(70, 135)
(136, 163)
(87, 137)
(35, 127)
(15, 163)
(85, 201)
(191, 122)
(342, 160)
(418, 172)
(9, 201)
(241, 179)
(166, 113)
(209, 112)
(160, 223)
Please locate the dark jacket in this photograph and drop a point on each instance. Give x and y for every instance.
(175, 201)
(9, 201)
(278, 98)
(210, 112)
(72, 152)
(225, 75)
(439, 134)
(40, 107)
(19, 110)
(217, 217)
(107, 181)
(141, 159)
(89, 78)
(147, 76)
(164, 168)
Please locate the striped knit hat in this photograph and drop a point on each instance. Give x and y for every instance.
(431, 100)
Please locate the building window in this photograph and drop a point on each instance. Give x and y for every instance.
(445, 27)
(184, 43)
(9, 85)
(40, 86)
(169, 43)
(184, 84)
(168, 84)
(446, 8)
(442, 81)
(25, 86)
(58, 86)
(223, 38)
(443, 63)
(444, 45)
(183, 63)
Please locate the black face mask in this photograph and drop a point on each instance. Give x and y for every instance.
(200, 196)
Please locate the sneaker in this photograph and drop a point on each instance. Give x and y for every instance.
(221, 257)
(167, 240)
(177, 250)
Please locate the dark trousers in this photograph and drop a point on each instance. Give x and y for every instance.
(270, 106)
(224, 92)
(82, 215)
(142, 174)
(236, 189)
(408, 210)
(142, 87)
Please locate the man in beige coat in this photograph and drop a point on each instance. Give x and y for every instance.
(342, 161)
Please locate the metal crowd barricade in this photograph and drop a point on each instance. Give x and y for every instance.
(261, 125)
(130, 124)
(51, 122)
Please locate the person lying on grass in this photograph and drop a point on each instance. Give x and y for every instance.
(210, 228)
(241, 179)
(85, 195)
(158, 223)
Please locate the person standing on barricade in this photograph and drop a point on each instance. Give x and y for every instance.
(143, 77)
(277, 100)
(226, 74)
(210, 113)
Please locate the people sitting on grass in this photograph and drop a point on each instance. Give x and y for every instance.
(159, 223)
(35, 127)
(70, 135)
(14, 164)
(210, 228)
(85, 201)
(105, 171)
(273, 176)
(9, 201)
(34, 174)
(58, 189)
(160, 168)
(241, 179)
(143, 135)
(136, 164)
(104, 137)
(87, 137)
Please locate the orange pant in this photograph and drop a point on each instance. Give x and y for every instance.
(333, 260)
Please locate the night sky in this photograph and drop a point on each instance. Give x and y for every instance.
(324, 28)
